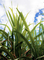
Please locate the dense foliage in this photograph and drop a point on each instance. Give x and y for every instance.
(21, 43)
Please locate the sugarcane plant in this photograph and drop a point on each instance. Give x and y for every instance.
(21, 43)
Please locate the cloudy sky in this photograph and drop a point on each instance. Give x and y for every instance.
(24, 6)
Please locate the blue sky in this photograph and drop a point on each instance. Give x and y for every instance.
(34, 6)
(39, 13)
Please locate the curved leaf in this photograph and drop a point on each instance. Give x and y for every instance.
(40, 57)
(6, 26)
(36, 26)
(5, 50)
(29, 45)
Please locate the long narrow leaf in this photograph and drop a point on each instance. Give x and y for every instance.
(29, 45)
(9, 53)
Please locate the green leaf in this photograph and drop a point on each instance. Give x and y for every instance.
(14, 18)
(40, 57)
(5, 50)
(27, 15)
(36, 26)
(6, 26)
(29, 45)
(11, 18)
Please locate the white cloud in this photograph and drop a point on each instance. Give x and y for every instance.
(1, 11)
(31, 27)
(7, 3)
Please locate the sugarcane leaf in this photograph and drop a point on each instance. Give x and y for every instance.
(29, 45)
(6, 26)
(27, 15)
(14, 18)
(40, 57)
(5, 50)
(36, 26)
(6, 34)
(11, 18)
